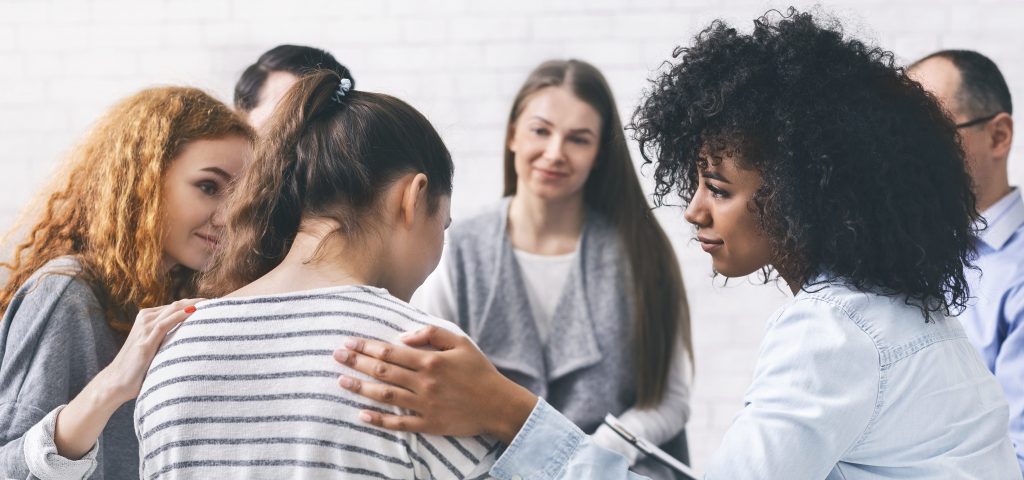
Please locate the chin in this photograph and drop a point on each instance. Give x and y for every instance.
(732, 271)
(199, 264)
(553, 194)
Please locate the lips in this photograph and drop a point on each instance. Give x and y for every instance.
(709, 245)
(210, 240)
(551, 174)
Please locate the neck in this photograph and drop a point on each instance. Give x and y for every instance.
(318, 259)
(990, 194)
(794, 282)
(546, 227)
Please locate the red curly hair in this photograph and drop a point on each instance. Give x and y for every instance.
(105, 208)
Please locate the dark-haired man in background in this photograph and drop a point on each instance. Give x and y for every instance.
(263, 83)
(973, 91)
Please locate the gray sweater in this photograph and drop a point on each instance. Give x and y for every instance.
(586, 370)
(54, 338)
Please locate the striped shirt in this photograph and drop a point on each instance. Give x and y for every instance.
(247, 388)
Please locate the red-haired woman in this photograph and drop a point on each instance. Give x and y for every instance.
(130, 221)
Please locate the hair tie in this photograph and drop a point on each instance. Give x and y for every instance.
(344, 86)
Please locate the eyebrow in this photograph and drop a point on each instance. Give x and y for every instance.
(575, 130)
(715, 176)
(218, 171)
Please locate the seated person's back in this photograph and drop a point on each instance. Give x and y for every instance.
(250, 382)
(327, 234)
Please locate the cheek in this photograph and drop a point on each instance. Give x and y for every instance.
(586, 161)
(187, 210)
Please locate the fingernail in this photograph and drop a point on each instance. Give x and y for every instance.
(406, 335)
(350, 343)
(190, 309)
(346, 382)
(365, 416)
(341, 355)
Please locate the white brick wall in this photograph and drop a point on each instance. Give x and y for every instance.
(62, 62)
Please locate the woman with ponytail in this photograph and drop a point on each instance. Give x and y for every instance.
(549, 279)
(129, 222)
(340, 218)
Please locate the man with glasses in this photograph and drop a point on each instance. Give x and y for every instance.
(973, 91)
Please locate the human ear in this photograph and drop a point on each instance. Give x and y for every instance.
(1001, 135)
(511, 136)
(414, 197)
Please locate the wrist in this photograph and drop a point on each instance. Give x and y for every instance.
(515, 408)
(80, 423)
(105, 393)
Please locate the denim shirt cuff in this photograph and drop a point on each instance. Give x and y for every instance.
(41, 452)
(542, 448)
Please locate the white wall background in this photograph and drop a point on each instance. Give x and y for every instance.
(63, 62)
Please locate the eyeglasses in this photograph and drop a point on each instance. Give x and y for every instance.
(977, 121)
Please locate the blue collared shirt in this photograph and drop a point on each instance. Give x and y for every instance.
(994, 321)
(848, 385)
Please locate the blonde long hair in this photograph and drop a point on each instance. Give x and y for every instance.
(105, 208)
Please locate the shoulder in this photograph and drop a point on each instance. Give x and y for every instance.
(837, 311)
(894, 326)
(415, 318)
(55, 305)
(600, 230)
(58, 287)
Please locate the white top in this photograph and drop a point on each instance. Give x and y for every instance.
(247, 388)
(545, 278)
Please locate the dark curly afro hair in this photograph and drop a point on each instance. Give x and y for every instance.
(863, 176)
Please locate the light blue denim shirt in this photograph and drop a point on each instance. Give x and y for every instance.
(848, 385)
(994, 320)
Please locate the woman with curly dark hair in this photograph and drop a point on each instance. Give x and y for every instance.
(811, 157)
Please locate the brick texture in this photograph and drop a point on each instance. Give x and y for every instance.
(62, 62)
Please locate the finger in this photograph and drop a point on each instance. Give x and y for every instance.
(380, 370)
(401, 423)
(183, 304)
(380, 392)
(166, 324)
(437, 337)
(400, 355)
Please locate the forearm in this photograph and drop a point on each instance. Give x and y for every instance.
(82, 421)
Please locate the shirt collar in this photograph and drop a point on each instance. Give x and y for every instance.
(1004, 218)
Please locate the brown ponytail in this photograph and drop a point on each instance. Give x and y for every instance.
(323, 155)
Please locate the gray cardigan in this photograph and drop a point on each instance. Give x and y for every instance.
(54, 339)
(586, 369)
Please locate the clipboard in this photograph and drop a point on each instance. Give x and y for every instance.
(649, 449)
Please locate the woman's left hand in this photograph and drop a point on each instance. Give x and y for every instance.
(82, 421)
(453, 391)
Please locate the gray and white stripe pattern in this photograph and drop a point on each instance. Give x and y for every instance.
(247, 388)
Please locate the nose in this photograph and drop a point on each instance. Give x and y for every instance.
(696, 212)
(217, 217)
(555, 148)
